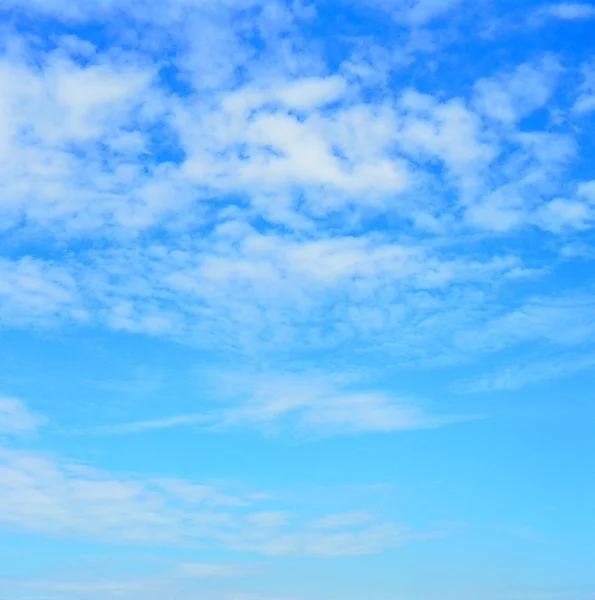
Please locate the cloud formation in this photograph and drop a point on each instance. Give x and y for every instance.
(307, 403)
(57, 498)
(569, 11)
(16, 418)
(338, 210)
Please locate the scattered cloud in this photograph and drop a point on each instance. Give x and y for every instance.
(274, 186)
(417, 13)
(17, 419)
(518, 376)
(568, 11)
(53, 497)
(509, 97)
(243, 214)
(585, 103)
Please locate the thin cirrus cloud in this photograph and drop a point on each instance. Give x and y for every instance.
(309, 404)
(50, 496)
(17, 419)
(517, 377)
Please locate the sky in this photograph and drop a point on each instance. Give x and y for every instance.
(297, 300)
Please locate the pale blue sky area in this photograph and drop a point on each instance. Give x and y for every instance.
(297, 300)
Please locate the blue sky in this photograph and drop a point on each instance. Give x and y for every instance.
(297, 300)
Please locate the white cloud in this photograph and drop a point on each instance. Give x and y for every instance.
(16, 418)
(510, 96)
(341, 520)
(238, 286)
(307, 403)
(560, 213)
(311, 92)
(564, 321)
(74, 152)
(518, 376)
(253, 145)
(417, 12)
(247, 210)
(153, 588)
(37, 292)
(569, 11)
(103, 175)
(449, 131)
(57, 498)
(156, 424)
(585, 103)
(321, 407)
(425, 10)
(144, 10)
(354, 542)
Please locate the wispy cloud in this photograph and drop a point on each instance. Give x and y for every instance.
(56, 498)
(195, 570)
(181, 578)
(306, 403)
(417, 12)
(568, 11)
(157, 424)
(518, 376)
(16, 418)
(321, 407)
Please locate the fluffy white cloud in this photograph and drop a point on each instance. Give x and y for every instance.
(510, 96)
(73, 142)
(273, 200)
(102, 146)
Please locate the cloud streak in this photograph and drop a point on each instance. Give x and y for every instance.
(305, 404)
(56, 498)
